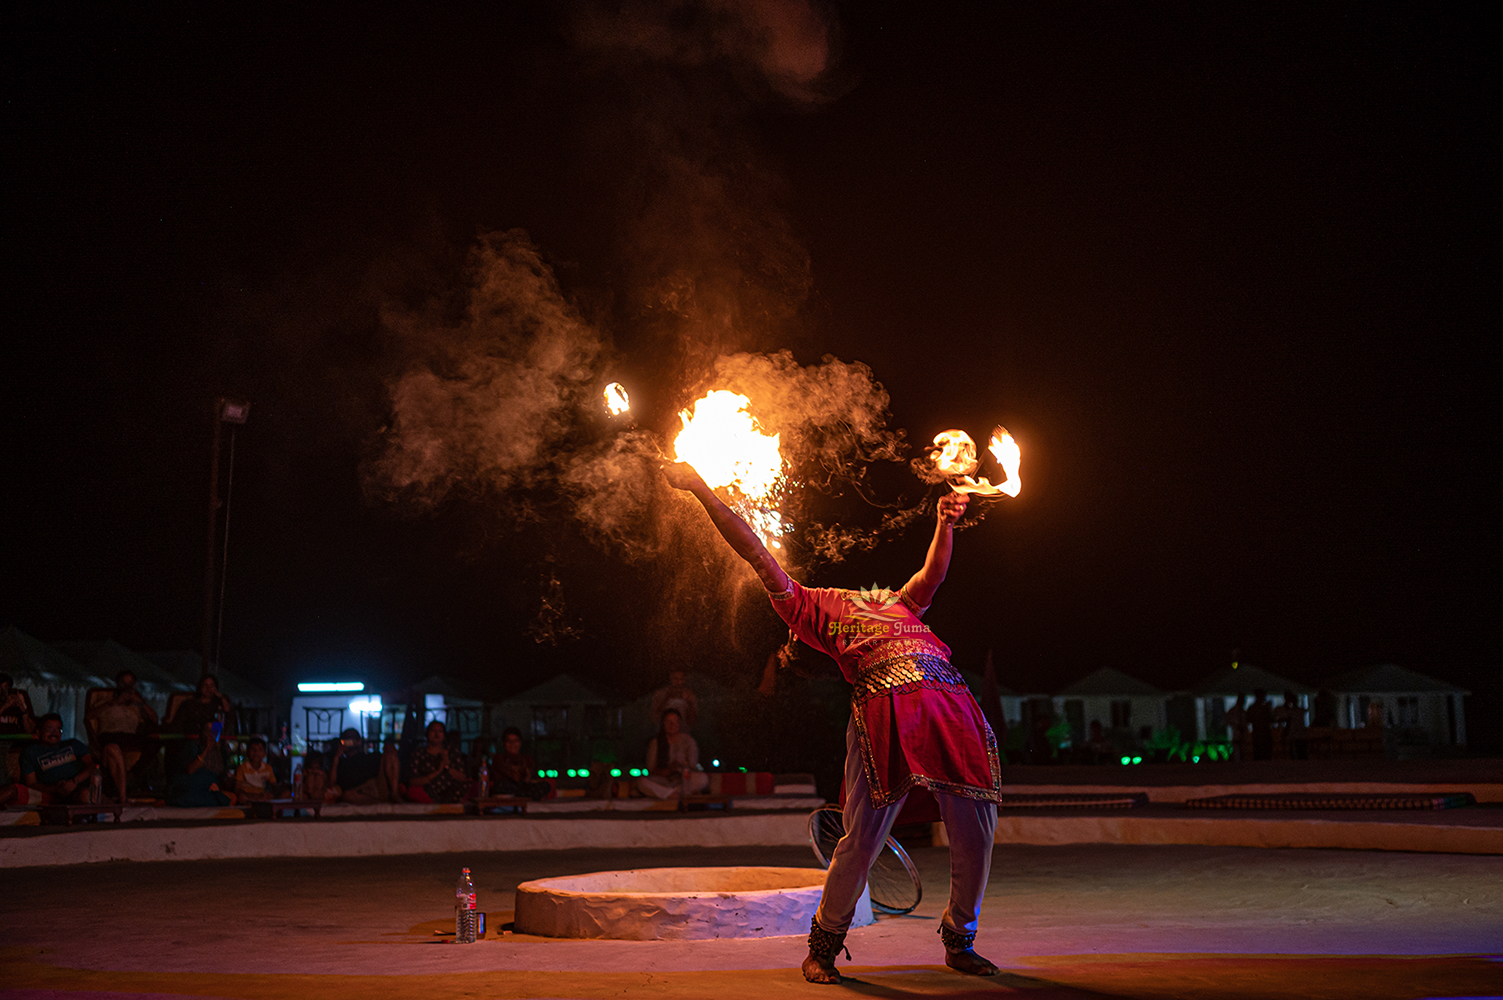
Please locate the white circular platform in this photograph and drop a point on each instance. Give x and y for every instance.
(675, 904)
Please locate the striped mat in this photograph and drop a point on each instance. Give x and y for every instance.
(1337, 800)
(1125, 800)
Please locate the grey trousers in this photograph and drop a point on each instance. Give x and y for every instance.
(970, 824)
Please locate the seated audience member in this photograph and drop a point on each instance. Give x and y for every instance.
(363, 778)
(60, 769)
(194, 719)
(197, 786)
(315, 786)
(679, 696)
(15, 713)
(1098, 746)
(254, 778)
(437, 776)
(672, 762)
(514, 772)
(15, 720)
(120, 723)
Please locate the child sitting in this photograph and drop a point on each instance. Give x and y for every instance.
(254, 778)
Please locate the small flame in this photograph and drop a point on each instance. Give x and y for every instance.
(1010, 457)
(1003, 448)
(616, 399)
(726, 446)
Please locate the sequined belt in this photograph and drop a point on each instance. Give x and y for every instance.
(896, 670)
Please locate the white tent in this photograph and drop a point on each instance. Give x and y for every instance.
(1410, 700)
(53, 681)
(1118, 701)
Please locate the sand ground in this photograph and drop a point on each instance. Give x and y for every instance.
(1083, 921)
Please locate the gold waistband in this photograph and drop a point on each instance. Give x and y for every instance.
(896, 670)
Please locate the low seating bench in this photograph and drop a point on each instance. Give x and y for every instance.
(277, 808)
(515, 803)
(65, 815)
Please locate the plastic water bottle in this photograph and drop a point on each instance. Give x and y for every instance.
(464, 909)
(96, 788)
(485, 778)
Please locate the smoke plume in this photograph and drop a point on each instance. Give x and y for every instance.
(489, 393)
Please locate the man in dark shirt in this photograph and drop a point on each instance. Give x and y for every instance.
(58, 768)
(363, 778)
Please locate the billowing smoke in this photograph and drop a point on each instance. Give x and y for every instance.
(787, 43)
(496, 394)
(490, 386)
(833, 415)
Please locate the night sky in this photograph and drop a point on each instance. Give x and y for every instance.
(1226, 271)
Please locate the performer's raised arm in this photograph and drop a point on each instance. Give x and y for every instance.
(737, 533)
(923, 585)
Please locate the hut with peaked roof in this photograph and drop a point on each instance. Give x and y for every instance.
(1422, 710)
(54, 681)
(1237, 683)
(561, 719)
(1124, 705)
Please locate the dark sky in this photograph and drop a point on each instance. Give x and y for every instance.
(1227, 272)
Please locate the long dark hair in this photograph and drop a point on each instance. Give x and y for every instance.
(660, 741)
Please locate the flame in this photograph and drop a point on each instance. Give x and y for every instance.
(616, 399)
(954, 453)
(1008, 455)
(1003, 448)
(727, 447)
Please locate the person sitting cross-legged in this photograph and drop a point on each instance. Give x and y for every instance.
(514, 772)
(255, 781)
(60, 769)
(363, 777)
(198, 784)
(438, 774)
(672, 762)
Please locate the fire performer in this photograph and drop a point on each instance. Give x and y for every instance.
(913, 722)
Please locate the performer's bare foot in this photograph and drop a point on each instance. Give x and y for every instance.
(820, 970)
(968, 962)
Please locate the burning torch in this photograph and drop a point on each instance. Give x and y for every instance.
(954, 457)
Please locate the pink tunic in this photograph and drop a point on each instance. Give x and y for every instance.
(917, 721)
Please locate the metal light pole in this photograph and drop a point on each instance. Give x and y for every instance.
(234, 413)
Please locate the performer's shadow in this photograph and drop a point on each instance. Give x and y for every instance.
(941, 981)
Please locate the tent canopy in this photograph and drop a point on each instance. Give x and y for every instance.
(187, 667)
(32, 663)
(107, 658)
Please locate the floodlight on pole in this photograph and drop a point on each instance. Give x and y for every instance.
(233, 412)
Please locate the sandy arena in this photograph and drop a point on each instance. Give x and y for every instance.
(1084, 921)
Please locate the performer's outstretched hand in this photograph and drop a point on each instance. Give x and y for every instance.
(951, 506)
(736, 532)
(682, 476)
